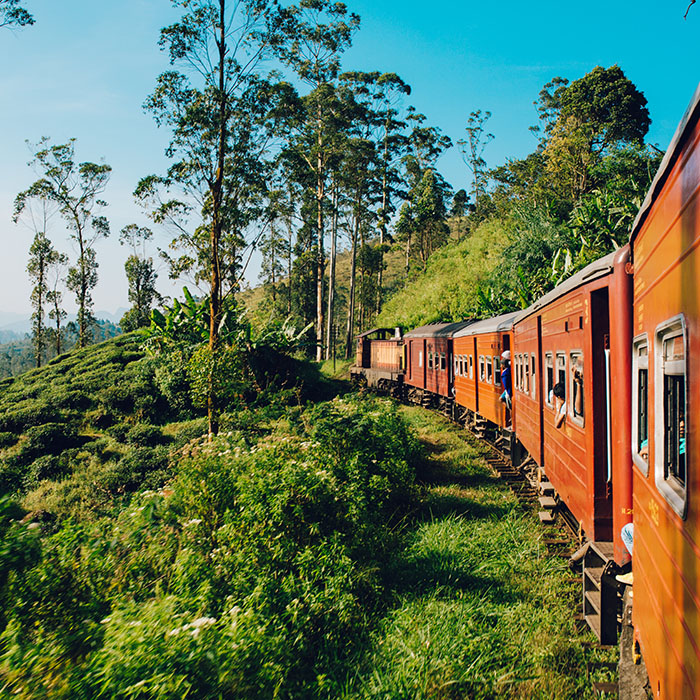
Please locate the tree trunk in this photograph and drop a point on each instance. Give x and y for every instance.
(351, 294)
(320, 258)
(215, 235)
(331, 276)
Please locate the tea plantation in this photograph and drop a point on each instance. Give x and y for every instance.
(342, 548)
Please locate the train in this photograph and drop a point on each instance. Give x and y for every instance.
(605, 389)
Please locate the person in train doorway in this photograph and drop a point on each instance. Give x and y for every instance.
(507, 384)
(559, 398)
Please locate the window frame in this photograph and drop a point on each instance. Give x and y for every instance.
(548, 363)
(674, 492)
(637, 343)
(533, 374)
(482, 368)
(579, 420)
(443, 362)
(489, 369)
(496, 370)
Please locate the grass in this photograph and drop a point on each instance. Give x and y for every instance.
(480, 609)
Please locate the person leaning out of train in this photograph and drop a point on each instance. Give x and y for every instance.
(559, 399)
(506, 381)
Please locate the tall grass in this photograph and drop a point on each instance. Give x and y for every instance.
(480, 609)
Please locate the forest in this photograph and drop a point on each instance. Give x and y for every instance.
(199, 507)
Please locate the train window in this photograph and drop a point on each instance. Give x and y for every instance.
(670, 406)
(519, 372)
(482, 369)
(443, 362)
(489, 369)
(561, 368)
(533, 383)
(640, 403)
(420, 358)
(526, 377)
(497, 371)
(430, 359)
(549, 365)
(471, 367)
(576, 387)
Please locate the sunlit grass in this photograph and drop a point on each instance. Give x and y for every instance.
(481, 610)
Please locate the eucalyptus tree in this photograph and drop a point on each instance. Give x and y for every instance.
(222, 114)
(140, 276)
(12, 14)
(424, 200)
(381, 96)
(75, 189)
(54, 299)
(472, 149)
(317, 32)
(42, 256)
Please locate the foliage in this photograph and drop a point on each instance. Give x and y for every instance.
(253, 573)
(12, 14)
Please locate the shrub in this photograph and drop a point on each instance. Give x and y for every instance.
(49, 438)
(7, 439)
(144, 435)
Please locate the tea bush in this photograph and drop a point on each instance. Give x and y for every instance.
(254, 573)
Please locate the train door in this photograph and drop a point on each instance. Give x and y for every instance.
(602, 401)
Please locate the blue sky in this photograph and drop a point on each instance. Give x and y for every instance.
(85, 68)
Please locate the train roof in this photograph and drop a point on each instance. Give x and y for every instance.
(692, 114)
(598, 268)
(437, 330)
(501, 323)
(393, 332)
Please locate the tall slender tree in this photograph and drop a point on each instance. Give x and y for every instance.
(75, 189)
(220, 123)
(318, 31)
(42, 256)
(472, 149)
(140, 276)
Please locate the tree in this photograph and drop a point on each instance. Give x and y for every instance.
(75, 190)
(42, 256)
(472, 152)
(141, 277)
(317, 32)
(459, 209)
(54, 298)
(12, 14)
(221, 129)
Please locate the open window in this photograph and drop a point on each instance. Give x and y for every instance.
(640, 403)
(482, 368)
(561, 368)
(533, 376)
(430, 359)
(497, 371)
(526, 373)
(576, 392)
(549, 369)
(670, 406)
(489, 370)
(443, 362)
(471, 366)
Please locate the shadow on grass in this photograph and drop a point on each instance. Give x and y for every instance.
(440, 505)
(441, 574)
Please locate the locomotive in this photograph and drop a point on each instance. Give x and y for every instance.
(621, 340)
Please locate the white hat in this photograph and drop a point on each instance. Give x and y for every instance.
(505, 355)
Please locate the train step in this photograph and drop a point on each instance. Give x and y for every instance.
(547, 502)
(546, 488)
(546, 517)
(600, 591)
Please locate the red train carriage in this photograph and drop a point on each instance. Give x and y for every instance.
(429, 378)
(666, 402)
(564, 339)
(379, 359)
(477, 368)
